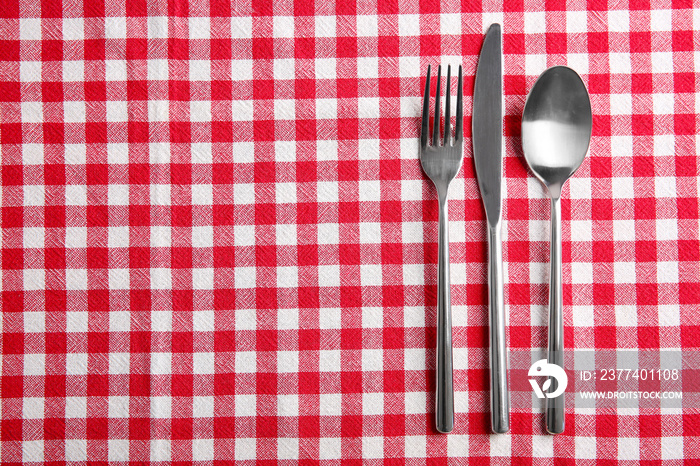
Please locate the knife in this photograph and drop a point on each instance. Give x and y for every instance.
(487, 141)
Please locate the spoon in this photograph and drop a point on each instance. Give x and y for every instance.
(556, 131)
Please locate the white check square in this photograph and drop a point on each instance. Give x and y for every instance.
(115, 27)
(202, 406)
(76, 450)
(245, 406)
(34, 279)
(33, 408)
(76, 407)
(161, 363)
(32, 451)
(157, 27)
(160, 450)
(29, 71)
(628, 448)
(161, 407)
(30, 28)
(119, 363)
(618, 21)
(32, 112)
(34, 322)
(118, 450)
(283, 26)
(367, 26)
(241, 27)
(203, 449)
(199, 27)
(535, 22)
(73, 71)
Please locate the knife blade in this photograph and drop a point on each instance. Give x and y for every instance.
(487, 141)
(487, 122)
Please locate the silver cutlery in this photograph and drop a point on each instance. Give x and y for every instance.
(441, 162)
(556, 132)
(487, 140)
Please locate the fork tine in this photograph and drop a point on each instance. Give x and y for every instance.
(436, 121)
(448, 132)
(459, 131)
(426, 113)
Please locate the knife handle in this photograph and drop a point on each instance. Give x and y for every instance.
(498, 358)
(444, 395)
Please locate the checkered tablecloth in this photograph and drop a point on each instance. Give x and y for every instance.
(218, 244)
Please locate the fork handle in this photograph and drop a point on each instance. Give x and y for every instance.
(444, 397)
(500, 398)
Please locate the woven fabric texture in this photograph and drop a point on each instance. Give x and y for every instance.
(218, 244)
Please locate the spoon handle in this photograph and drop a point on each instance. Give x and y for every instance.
(500, 399)
(444, 396)
(555, 354)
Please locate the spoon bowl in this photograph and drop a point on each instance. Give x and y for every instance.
(556, 131)
(556, 126)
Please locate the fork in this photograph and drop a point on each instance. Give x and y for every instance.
(441, 162)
